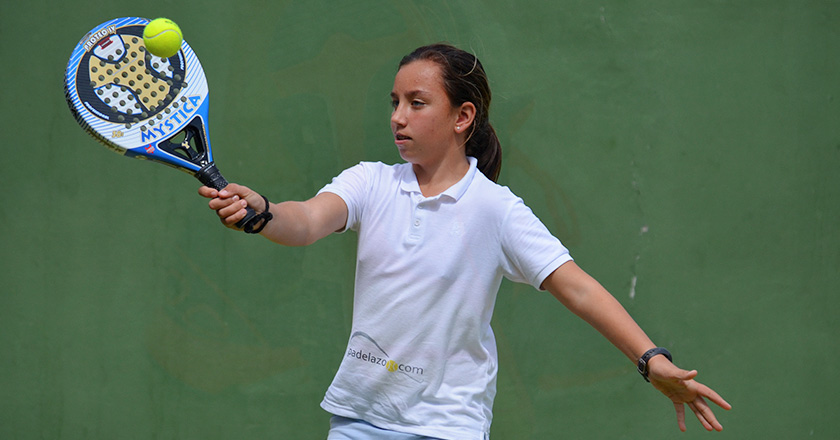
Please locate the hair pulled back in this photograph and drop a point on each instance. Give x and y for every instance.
(464, 80)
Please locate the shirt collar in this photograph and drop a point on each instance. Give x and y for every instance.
(455, 192)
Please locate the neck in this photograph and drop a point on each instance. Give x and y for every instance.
(437, 178)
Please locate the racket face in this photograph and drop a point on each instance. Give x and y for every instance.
(137, 103)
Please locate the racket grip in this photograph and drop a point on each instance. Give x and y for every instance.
(210, 176)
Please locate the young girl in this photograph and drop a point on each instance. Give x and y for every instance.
(435, 237)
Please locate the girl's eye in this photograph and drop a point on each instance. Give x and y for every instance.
(417, 103)
(394, 103)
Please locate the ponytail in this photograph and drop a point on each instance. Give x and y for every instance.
(465, 81)
(484, 145)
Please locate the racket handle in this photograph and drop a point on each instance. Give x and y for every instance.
(210, 176)
(249, 216)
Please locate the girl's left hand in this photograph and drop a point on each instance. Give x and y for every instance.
(679, 386)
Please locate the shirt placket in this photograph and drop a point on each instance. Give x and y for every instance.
(419, 219)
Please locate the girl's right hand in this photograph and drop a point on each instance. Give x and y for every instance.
(230, 202)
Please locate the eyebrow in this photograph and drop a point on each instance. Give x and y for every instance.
(411, 94)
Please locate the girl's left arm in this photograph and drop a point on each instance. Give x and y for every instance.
(586, 298)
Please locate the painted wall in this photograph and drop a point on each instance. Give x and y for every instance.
(687, 152)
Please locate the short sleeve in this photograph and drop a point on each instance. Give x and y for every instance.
(352, 185)
(531, 252)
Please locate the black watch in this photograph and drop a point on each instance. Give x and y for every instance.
(643, 361)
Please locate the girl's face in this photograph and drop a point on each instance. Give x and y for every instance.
(423, 120)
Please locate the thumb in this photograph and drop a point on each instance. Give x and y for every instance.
(688, 375)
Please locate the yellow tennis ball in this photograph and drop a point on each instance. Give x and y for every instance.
(162, 37)
(391, 366)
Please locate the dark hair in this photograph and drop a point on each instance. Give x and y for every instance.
(464, 80)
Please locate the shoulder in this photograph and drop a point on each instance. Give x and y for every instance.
(368, 171)
(493, 195)
(377, 170)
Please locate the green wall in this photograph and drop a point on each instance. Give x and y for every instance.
(687, 152)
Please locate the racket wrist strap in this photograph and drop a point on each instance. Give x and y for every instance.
(257, 224)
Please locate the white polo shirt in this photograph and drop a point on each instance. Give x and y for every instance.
(422, 357)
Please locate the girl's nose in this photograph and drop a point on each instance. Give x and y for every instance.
(398, 116)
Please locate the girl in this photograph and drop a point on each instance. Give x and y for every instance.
(436, 235)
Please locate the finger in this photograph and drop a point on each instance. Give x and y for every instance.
(232, 209)
(680, 416)
(705, 415)
(689, 375)
(208, 192)
(709, 393)
(708, 415)
(219, 203)
(236, 217)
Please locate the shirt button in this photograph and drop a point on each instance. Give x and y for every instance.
(417, 222)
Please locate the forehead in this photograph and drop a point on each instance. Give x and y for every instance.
(420, 76)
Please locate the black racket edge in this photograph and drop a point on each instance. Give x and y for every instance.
(210, 176)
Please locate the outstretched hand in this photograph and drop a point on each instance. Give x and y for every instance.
(679, 386)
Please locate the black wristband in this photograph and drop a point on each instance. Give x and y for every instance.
(644, 369)
(261, 219)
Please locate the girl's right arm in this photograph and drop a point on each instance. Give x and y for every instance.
(294, 223)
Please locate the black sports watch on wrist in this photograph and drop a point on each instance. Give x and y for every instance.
(643, 361)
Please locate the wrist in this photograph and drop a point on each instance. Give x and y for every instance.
(644, 361)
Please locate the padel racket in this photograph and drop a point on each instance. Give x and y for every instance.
(141, 105)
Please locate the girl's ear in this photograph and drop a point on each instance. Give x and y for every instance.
(466, 116)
